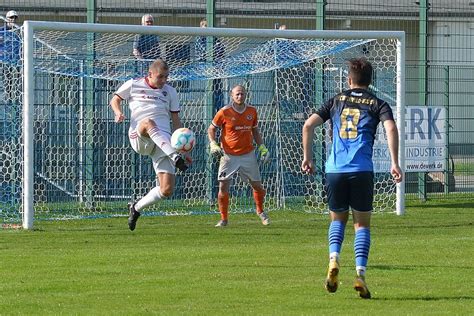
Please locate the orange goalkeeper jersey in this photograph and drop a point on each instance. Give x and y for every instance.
(236, 136)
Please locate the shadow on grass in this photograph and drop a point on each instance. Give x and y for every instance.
(389, 268)
(431, 226)
(412, 267)
(441, 204)
(424, 298)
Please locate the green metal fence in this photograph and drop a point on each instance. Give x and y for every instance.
(440, 51)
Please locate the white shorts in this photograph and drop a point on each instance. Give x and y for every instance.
(145, 146)
(246, 165)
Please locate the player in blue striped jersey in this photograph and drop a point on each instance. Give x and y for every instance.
(354, 115)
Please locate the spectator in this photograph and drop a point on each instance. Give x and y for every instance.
(10, 42)
(147, 46)
(10, 58)
(200, 50)
(278, 26)
(200, 46)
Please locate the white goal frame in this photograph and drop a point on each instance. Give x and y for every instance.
(28, 88)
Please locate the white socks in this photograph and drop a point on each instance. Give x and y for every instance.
(161, 141)
(152, 197)
(360, 270)
(334, 255)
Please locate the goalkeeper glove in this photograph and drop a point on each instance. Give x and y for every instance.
(264, 154)
(216, 150)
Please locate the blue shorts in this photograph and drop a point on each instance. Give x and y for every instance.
(353, 189)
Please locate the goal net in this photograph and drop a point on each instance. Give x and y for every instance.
(63, 157)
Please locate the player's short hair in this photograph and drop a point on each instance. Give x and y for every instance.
(360, 71)
(238, 86)
(159, 64)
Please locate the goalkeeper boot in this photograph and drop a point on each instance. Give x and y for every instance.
(221, 223)
(361, 287)
(180, 163)
(133, 216)
(264, 218)
(332, 281)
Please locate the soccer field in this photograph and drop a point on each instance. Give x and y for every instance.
(420, 264)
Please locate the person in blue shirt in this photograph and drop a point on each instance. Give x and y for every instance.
(200, 46)
(201, 55)
(147, 46)
(10, 58)
(354, 115)
(10, 42)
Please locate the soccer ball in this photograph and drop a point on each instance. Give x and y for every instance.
(183, 139)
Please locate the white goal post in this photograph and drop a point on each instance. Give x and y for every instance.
(285, 84)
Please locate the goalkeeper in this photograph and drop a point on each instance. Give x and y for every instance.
(238, 122)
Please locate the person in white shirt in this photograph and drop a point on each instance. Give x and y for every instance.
(153, 103)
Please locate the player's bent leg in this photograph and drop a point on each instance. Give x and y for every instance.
(134, 208)
(148, 128)
(159, 192)
(149, 199)
(167, 183)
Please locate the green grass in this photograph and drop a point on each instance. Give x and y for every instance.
(464, 168)
(420, 264)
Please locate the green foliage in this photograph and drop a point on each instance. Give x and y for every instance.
(421, 263)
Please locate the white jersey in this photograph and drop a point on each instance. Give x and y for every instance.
(147, 102)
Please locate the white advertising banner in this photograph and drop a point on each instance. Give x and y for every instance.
(425, 141)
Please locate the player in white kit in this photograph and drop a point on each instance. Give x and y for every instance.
(153, 103)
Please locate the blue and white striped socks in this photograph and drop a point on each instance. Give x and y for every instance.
(335, 238)
(361, 249)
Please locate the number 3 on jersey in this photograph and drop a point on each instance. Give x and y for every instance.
(349, 120)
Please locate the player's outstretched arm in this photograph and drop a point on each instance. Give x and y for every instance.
(392, 138)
